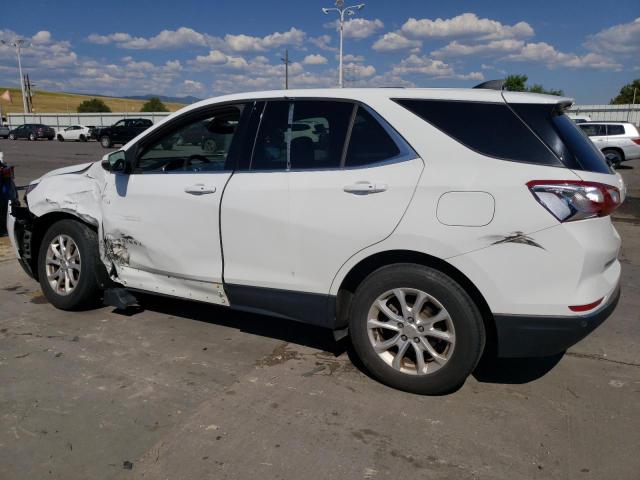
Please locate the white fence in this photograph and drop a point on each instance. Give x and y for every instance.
(612, 113)
(619, 113)
(57, 120)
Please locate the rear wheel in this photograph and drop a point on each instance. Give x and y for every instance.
(105, 141)
(12, 136)
(416, 329)
(613, 156)
(83, 138)
(69, 265)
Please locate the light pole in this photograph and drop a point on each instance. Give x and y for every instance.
(342, 11)
(17, 44)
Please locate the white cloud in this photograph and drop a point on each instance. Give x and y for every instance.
(322, 42)
(415, 64)
(465, 25)
(358, 28)
(248, 43)
(456, 49)
(546, 54)
(619, 39)
(358, 70)
(166, 39)
(42, 37)
(315, 59)
(191, 87)
(214, 57)
(395, 41)
(352, 58)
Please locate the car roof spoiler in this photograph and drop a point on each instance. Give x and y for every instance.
(492, 84)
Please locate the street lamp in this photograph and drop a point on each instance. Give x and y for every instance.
(17, 44)
(342, 11)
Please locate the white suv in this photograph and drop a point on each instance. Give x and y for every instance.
(618, 141)
(421, 222)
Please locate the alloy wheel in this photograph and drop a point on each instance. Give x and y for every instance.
(63, 264)
(411, 331)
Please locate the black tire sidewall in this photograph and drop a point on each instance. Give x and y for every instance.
(469, 330)
(107, 140)
(87, 291)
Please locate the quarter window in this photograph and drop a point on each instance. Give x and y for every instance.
(615, 130)
(202, 145)
(369, 142)
(593, 130)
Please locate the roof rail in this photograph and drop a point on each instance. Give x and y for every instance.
(492, 84)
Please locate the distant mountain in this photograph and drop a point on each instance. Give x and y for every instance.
(187, 99)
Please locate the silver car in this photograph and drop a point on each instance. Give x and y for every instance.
(618, 141)
(4, 131)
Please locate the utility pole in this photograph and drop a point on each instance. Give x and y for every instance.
(28, 93)
(286, 68)
(17, 44)
(342, 11)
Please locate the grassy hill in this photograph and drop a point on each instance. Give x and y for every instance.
(58, 102)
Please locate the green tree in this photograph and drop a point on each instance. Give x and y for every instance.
(95, 105)
(154, 105)
(626, 93)
(518, 83)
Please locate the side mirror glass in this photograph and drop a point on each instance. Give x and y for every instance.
(115, 162)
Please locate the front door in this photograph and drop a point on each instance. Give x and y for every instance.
(161, 223)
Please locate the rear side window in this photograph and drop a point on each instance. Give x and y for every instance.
(491, 129)
(563, 136)
(369, 142)
(593, 130)
(615, 130)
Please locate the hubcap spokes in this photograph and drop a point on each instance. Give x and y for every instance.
(62, 265)
(411, 331)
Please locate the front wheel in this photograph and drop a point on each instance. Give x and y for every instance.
(105, 141)
(69, 265)
(12, 136)
(32, 137)
(60, 138)
(416, 329)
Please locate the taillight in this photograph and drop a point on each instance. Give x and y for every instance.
(636, 140)
(570, 200)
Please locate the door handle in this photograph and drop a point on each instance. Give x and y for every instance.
(199, 189)
(365, 188)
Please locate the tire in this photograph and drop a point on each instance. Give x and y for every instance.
(462, 324)
(50, 138)
(614, 156)
(83, 138)
(105, 141)
(86, 287)
(32, 137)
(12, 136)
(60, 138)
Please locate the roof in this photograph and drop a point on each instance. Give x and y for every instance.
(364, 94)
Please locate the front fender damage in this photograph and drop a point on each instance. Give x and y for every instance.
(82, 195)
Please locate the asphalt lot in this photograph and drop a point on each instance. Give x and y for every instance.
(182, 390)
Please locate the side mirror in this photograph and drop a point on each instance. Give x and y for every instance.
(115, 162)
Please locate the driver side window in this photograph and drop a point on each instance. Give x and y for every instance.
(200, 145)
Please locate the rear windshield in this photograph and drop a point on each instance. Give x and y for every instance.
(563, 136)
(491, 129)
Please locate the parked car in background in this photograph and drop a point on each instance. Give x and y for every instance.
(618, 141)
(362, 224)
(4, 131)
(32, 131)
(122, 131)
(577, 118)
(74, 132)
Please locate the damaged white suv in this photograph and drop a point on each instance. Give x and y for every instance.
(424, 223)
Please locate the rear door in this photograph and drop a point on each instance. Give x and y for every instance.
(313, 197)
(597, 133)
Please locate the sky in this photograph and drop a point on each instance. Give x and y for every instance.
(587, 49)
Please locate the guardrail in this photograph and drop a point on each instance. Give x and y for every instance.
(59, 120)
(611, 113)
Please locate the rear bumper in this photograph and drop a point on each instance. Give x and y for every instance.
(541, 336)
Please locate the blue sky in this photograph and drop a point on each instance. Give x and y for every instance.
(588, 49)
